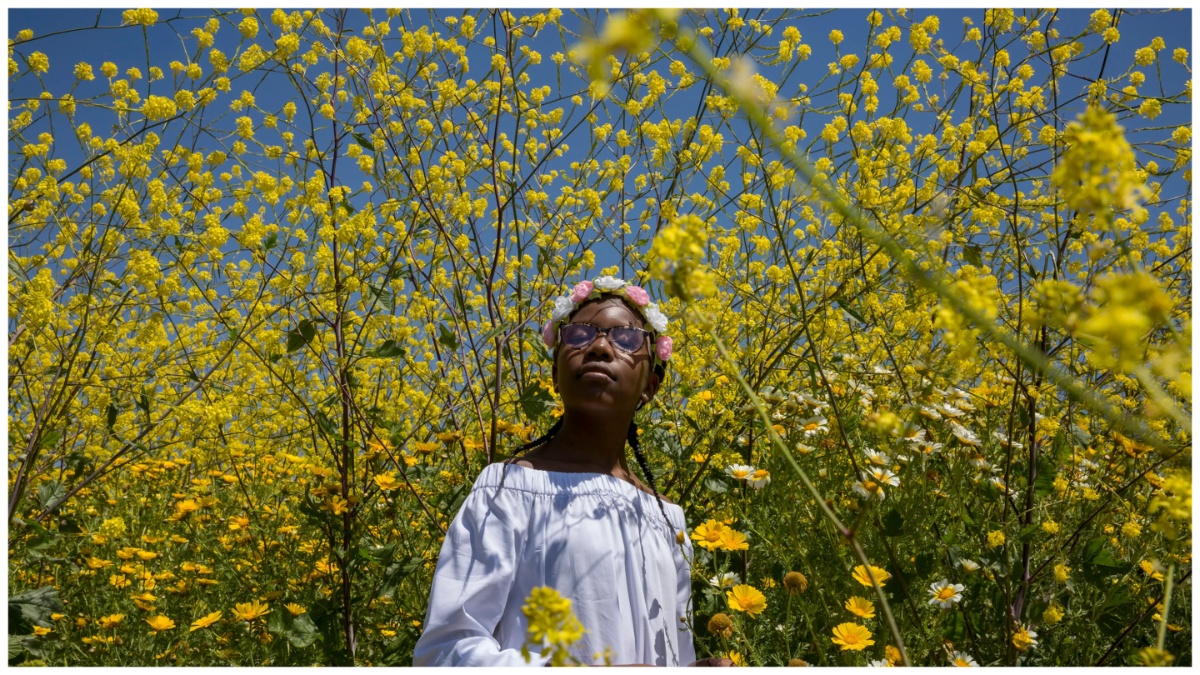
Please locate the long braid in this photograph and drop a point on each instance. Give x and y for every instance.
(529, 446)
(632, 437)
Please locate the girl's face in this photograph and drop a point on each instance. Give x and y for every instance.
(601, 378)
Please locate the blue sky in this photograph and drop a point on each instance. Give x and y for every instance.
(54, 35)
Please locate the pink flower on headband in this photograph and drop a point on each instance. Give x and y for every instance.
(637, 295)
(663, 347)
(548, 334)
(581, 291)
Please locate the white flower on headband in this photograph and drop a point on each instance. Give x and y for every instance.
(562, 307)
(609, 283)
(657, 319)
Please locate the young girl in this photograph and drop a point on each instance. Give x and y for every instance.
(570, 514)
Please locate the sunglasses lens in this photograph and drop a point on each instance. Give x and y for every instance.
(628, 339)
(578, 335)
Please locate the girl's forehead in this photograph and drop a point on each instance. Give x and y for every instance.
(610, 311)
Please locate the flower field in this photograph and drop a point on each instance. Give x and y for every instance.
(277, 281)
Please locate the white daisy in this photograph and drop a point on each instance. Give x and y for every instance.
(928, 447)
(968, 565)
(880, 663)
(1005, 441)
(930, 412)
(948, 410)
(945, 594)
(964, 435)
(814, 425)
(963, 660)
(759, 479)
(739, 471)
(877, 458)
(726, 580)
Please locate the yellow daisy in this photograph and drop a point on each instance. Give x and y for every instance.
(860, 575)
(852, 637)
(861, 607)
(746, 598)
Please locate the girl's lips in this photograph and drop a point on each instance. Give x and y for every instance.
(595, 372)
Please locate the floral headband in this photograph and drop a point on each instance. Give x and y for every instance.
(590, 290)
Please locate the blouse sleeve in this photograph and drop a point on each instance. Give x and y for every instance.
(471, 583)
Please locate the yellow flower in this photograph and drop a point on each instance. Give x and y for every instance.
(552, 624)
(995, 539)
(1061, 573)
(160, 623)
(860, 575)
(294, 609)
(852, 637)
(1154, 572)
(1052, 615)
(1024, 638)
(746, 598)
(892, 654)
(249, 611)
(387, 482)
(205, 621)
(861, 607)
(41, 630)
(708, 534)
(110, 621)
(733, 541)
(736, 658)
(795, 581)
(721, 624)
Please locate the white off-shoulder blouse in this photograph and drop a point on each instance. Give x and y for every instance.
(596, 539)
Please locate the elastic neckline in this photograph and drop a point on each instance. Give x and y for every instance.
(555, 482)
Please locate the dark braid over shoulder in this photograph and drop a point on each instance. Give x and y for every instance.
(529, 446)
(632, 437)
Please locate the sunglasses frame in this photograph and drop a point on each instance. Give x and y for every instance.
(604, 331)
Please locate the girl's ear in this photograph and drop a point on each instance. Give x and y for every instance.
(652, 384)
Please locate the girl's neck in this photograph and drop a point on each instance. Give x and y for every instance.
(589, 443)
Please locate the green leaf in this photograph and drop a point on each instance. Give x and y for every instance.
(1028, 532)
(303, 632)
(973, 254)
(384, 296)
(389, 349)
(893, 523)
(51, 493)
(32, 608)
(300, 335)
(15, 269)
(50, 438)
(716, 485)
(446, 337)
(110, 416)
(362, 140)
(272, 240)
(925, 562)
(954, 627)
(535, 401)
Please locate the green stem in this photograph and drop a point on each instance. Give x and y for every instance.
(1162, 626)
